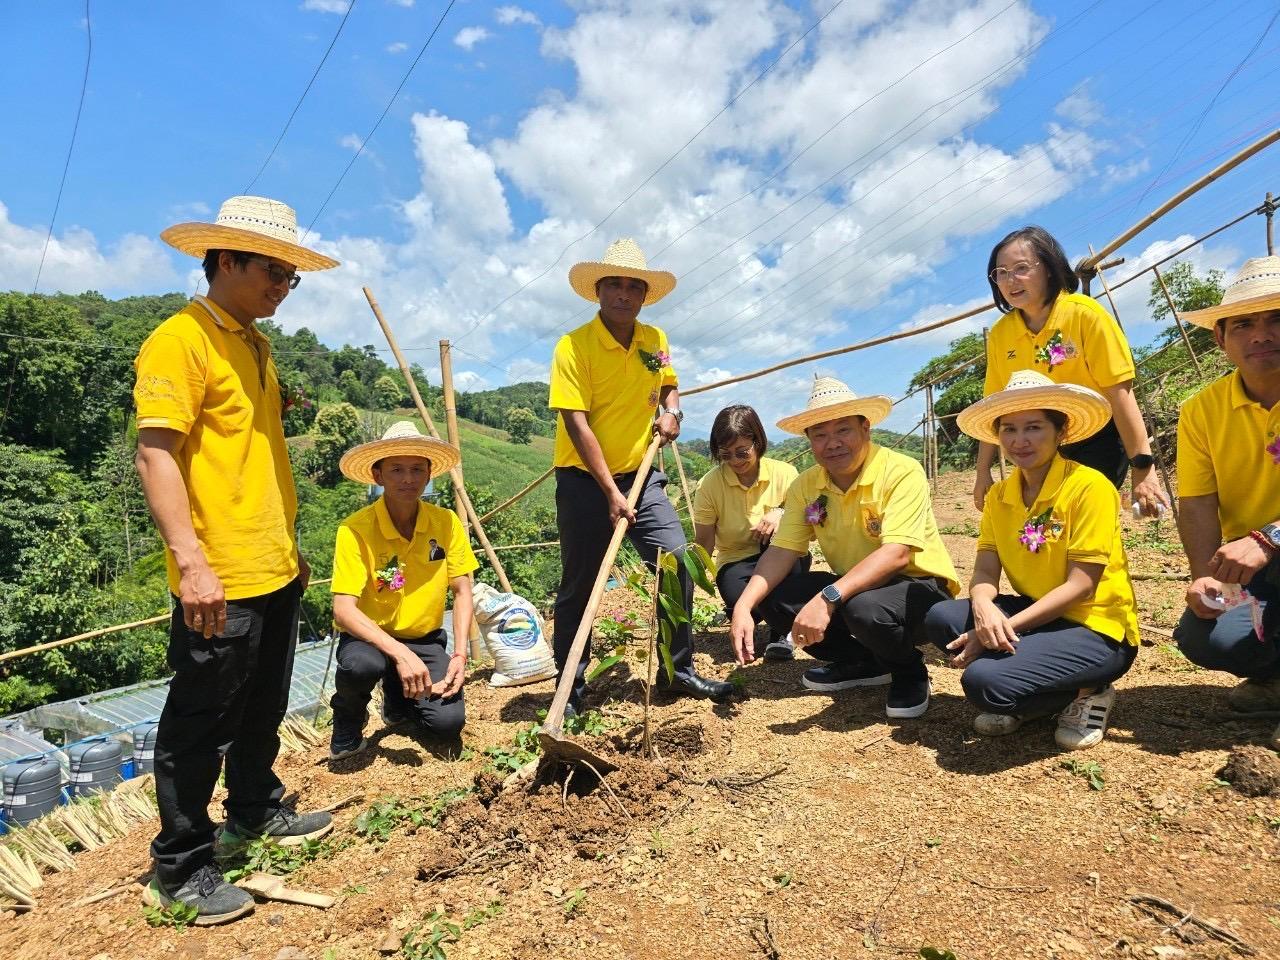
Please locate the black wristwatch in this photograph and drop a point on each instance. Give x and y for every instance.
(831, 594)
(1272, 532)
(1143, 461)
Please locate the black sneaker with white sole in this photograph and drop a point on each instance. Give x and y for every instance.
(842, 675)
(286, 827)
(215, 900)
(908, 696)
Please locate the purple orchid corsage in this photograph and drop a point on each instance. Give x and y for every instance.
(1038, 530)
(1273, 448)
(815, 514)
(1054, 352)
(391, 577)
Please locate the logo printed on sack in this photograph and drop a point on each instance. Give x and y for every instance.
(517, 630)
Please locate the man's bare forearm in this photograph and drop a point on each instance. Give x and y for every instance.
(1200, 530)
(166, 495)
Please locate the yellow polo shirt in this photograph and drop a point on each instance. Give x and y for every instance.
(1097, 353)
(723, 502)
(1222, 448)
(887, 503)
(591, 371)
(368, 541)
(211, 379)
(1082, 525)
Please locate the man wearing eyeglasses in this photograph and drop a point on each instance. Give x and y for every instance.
(215, 472)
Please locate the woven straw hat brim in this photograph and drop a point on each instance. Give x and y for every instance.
(1209, 316)
(584, 276)
(874, 408)
(197, 239)
(357, 463)
(1087, 411)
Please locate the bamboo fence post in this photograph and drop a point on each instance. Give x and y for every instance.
(1182, 329)
(1270, 207)
(459, 491)
(1107, 290)
(931, 426)
(451, 417)
(999, 449)
(684, 484)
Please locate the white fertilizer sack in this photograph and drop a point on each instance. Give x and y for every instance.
(513, 632)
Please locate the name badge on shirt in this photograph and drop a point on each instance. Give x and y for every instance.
(436, 552)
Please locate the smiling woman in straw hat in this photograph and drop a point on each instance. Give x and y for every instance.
(393, 564)
(215, 472)
(868, 508)
(1052, 527)
(1229, 494)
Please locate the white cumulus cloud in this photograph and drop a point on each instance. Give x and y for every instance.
(510, 15)
(468, 37)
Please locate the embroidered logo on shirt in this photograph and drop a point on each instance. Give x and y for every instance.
(156, 388)
(871, 522)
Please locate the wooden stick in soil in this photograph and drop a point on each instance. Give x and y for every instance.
(1182, 329)
(650, 663)
(999, 449)
(459, 491)
(684, 483)
(555, 746)
(451, 410)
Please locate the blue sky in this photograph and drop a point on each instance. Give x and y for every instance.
(854, 189)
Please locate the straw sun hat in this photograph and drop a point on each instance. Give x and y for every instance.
(250, 225)
(401, 439)
(831, 399)
(1087, 411)
(623, 258)
(1255, 289)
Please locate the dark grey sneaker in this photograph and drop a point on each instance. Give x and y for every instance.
(347, 737)
(286, 827)
(908, 697)
(844, 676)
(779, 650)
(215, 900)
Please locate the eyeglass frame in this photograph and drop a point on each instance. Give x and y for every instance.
(1030, 265)
(292, 279)
(734, 454)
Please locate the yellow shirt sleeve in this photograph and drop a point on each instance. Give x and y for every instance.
(1196, 476)
(906, 510)
(987, 528)
(705, 506)
(793, 533)
(169, 390)
(350, 571)
(1106, 351)
(669, 378)
(570, 379)
(460, 559)
(1093, 525)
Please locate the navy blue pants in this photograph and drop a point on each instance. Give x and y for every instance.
(1229, 643)
(361, 665)
(1053, 663)
(582, 517)
(732, 579)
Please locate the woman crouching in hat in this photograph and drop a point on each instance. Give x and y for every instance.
(737, 508)
(1052, 527)
(393, 563)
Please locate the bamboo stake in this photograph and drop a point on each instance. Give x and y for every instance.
(1270, 209)
(1107, 290)
(684, 484)
(459, 491)
(931, 440)
(519, 495)
(1227, 165)
(999, 449)
(1182, 329)
(451, 415)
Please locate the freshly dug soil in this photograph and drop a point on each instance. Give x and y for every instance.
(1254, 771)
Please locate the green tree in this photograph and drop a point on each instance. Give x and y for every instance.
(519, 423)
(387, 392)
(957, 382)
(353, 391)
(337, 429)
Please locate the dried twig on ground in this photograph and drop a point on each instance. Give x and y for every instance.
(764, 940)
(742, 781)
(1146, 901)
(616, 799)
(871, 934)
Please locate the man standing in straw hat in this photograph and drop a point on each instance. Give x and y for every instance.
(1229, 495)
(613, 386)
(215, 472)
(393, 565)
(869, 510)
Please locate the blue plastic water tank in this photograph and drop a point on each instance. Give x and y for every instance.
(95, 765)
(32, 788)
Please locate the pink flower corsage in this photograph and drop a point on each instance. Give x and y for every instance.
(1036, 532)
(291, 397)
(391, 577)
(653, 362)
(1273, 448)
(1054, 352)
(815, 513)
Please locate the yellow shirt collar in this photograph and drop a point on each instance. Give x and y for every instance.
(1052, 484)
(607, 338)
(220, 316)
(872, 469)
(388, 527)
(762, 478)
(1238, 397)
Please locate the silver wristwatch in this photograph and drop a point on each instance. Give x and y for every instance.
(677, 413)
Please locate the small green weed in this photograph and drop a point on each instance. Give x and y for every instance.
(573, 904)
(1087, 770)
(504, 758)
(1178, 660)
(658, 844)
(739, 681)
(482, 915)
(935, 953)
(932, 842)
(590, 723)
(966, 529)
(783, 880)
(378, 822)
(706, 614)
(614, 629)
(427, 940)
(354, 889)
(177, 915)
(264, 855)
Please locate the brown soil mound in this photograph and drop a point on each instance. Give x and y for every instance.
(1254, 771)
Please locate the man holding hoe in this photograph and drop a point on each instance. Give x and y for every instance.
(613, 386)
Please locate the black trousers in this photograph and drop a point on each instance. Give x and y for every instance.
(1104, 451)
(733, 577)
(582, 516)
(883, 624)
(227, 698)
(361, 665)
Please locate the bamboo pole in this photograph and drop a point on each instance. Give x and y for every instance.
(528, 488)
(451, 415)
(1107, 290)
(1182, 329)
(930, 460)
(1270, 206)
(1230, 164)
(684, 484)
(999, 449)
(459, 491)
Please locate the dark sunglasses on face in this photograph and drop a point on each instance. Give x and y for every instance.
(742, 453)
(278, 274)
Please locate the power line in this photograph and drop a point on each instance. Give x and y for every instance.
(84, 85)
(305, 91)
(381, 117)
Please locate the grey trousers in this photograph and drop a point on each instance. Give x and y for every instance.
(582, 516)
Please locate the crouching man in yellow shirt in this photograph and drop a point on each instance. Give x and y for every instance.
(1229, 494)
(392, 565)
(869, 510)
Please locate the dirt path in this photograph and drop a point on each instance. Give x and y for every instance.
(790, 825)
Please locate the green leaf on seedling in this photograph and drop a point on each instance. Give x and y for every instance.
(697, 569)
(665, 649)
(603, 665)
(674, 609)
(933, 953)
(668, 564)
(933, 842)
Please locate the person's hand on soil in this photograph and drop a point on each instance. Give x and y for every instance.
(1238, 561)
(1198, 592)
(811, 623)
(453, 679)
(991, 627)
(742, 632)
(966, 647)
(763, 531)
(414, 678)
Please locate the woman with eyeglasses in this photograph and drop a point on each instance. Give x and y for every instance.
(1048, 327)
(738, 505)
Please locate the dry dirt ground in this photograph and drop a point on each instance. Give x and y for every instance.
(788, 825)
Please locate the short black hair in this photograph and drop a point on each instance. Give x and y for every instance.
(738, 420)
(1057, 268)
(210, 264)
(1056, 417)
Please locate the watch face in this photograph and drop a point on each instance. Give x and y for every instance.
(1272, 533)
(831, 594)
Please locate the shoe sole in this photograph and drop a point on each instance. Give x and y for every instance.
(879, 681)
(908, 713)
(780, 656)
(153, 899)
(224, 846)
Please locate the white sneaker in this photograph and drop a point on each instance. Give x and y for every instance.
(1084, 722)
(996, 724)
